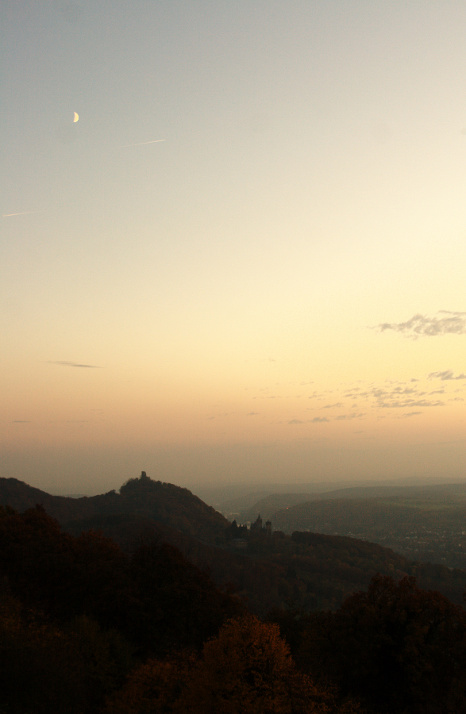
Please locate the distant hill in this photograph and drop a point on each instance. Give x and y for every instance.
(264, 567)
(425, 524)
(142, 498)
(447, 491)
(244, 504)
(269, 504)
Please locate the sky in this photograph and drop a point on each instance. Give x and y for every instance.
(233, 241)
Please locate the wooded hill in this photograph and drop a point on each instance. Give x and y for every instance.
(89, 627)
(425, 524)
(265, 568)
(142, 498)
(433, 496)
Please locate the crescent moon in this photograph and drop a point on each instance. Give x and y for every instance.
(76, 117)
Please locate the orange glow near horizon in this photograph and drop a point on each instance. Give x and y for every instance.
(276, 288)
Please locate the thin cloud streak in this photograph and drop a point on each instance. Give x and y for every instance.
(410, 403)
(142, 143)
(344, 417)
(453, 323)
(76, 364)
(19, 213)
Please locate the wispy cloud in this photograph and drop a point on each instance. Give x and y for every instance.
(446, 376)
(445, 323)
(19, 213)
(315, 420)
(394, 391)
(344, 417)
(410, 403)
(75, 364)
(400, 396)
(142, 143)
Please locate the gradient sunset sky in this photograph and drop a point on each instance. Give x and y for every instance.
(246, 261)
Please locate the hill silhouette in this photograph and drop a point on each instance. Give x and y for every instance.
(425, 524)
(80, 618)
(145, 500)
(266, 568)
(429, 496)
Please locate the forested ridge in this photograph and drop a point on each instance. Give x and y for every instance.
(141, 497)
(423, 523)
(216, 617)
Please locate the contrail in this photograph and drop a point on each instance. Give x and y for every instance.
(20, 213)
(142, 143)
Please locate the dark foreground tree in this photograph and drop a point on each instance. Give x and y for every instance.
(177, 605)
(156, 598)
(395, 647)
(46, 669)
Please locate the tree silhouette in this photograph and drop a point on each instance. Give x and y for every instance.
(395, 647)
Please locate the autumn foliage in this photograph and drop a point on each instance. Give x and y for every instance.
(246, 669)
(86, 628)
